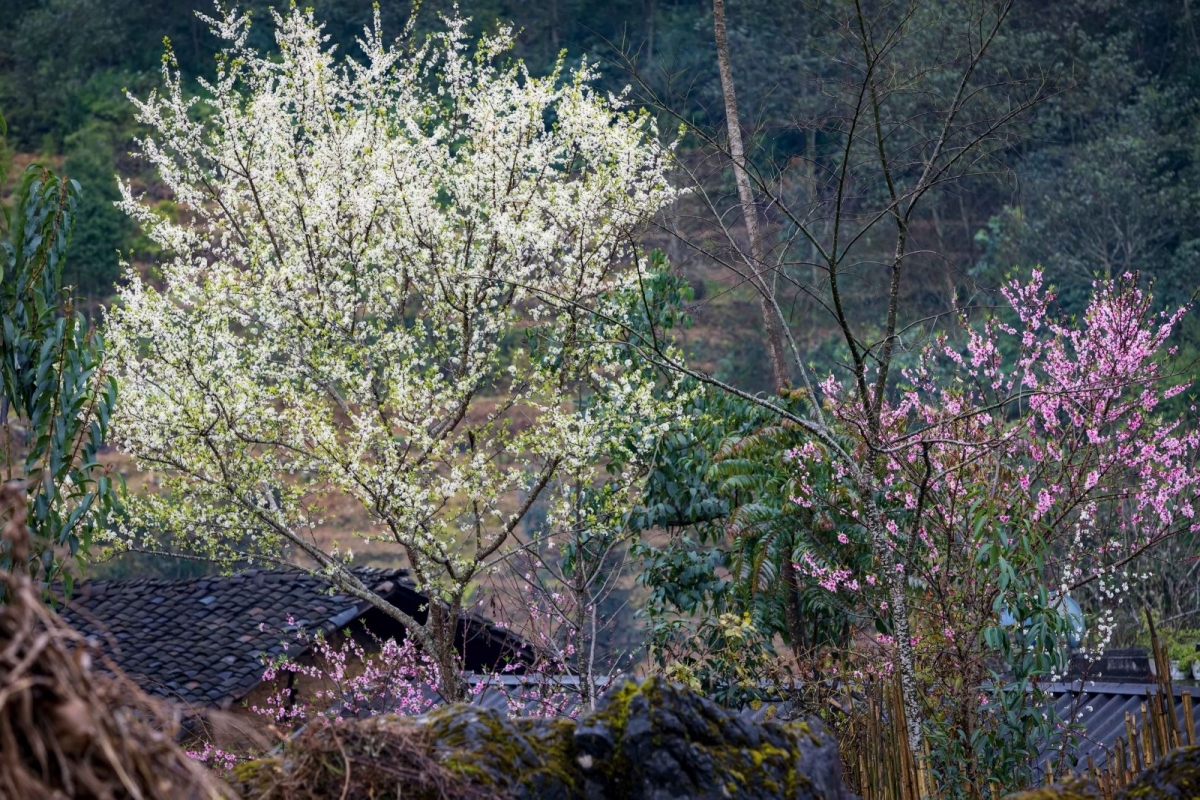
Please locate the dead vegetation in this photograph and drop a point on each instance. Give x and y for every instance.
(68, 730)
(383, 757)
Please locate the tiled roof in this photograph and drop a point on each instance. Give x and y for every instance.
(199, 641)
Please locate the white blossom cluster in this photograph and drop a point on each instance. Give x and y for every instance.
(385, 284)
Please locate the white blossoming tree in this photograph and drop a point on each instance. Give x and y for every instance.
(403, 279)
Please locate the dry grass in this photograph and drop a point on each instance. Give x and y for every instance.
(67, 730)
(382, 757)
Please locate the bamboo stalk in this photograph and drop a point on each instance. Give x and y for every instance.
(909, 787)
(1146, 741)
(1135, 755)
(1171, 718)
(1122, 766)
(1189, 721)
(1164, 731)
(927, 784)
(1150, 722)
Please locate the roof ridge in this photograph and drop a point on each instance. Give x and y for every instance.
(83, 585)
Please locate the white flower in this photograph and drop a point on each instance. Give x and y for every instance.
(366, 252)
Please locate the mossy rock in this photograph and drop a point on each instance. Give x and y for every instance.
(1069, 790)
(1176, 777)
(646, 741)
(654, 740)
(520, 758)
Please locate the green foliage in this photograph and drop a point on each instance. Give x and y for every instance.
(61, 53)
(1017, 720)
(1181, 645)
(725, 579)
(55, 400)
(5, 152)
(101, 228)
(1120, 201)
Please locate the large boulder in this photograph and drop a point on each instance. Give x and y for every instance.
(1070, 790)
(646, 741)
(657, 742)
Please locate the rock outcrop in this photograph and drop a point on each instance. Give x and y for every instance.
(646, 741)
(657, 742)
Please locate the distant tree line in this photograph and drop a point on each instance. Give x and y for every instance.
(1098, 178)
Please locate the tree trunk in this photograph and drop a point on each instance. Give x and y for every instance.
(766, 289)
(651, 13)
(791, 613)
(442, 625)
(897, 582)
(554, 26)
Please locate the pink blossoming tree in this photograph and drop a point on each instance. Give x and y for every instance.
(1021, 458)
(1029, 464)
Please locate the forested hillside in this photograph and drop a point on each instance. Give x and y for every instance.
(1092, 174)
(1096, 178)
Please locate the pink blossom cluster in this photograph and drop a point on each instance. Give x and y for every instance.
(1056, 421)
(348, 681)
(828, 578)
(218, 759)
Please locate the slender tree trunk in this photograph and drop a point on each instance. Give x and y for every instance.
(966, 224)
(897, 582)
(554, 26)
(774, 330)
(443, 625)
(791, 613)
(651, 13)
(591, 660)
(810, 179)
(1193, 43)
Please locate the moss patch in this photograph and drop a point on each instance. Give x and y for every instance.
(1176, 777)
(1064, 791)
(653, 723)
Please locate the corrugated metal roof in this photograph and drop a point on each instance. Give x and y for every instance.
(1100, 708)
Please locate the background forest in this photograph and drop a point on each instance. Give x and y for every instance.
(1038, 161)
(1096, 179)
